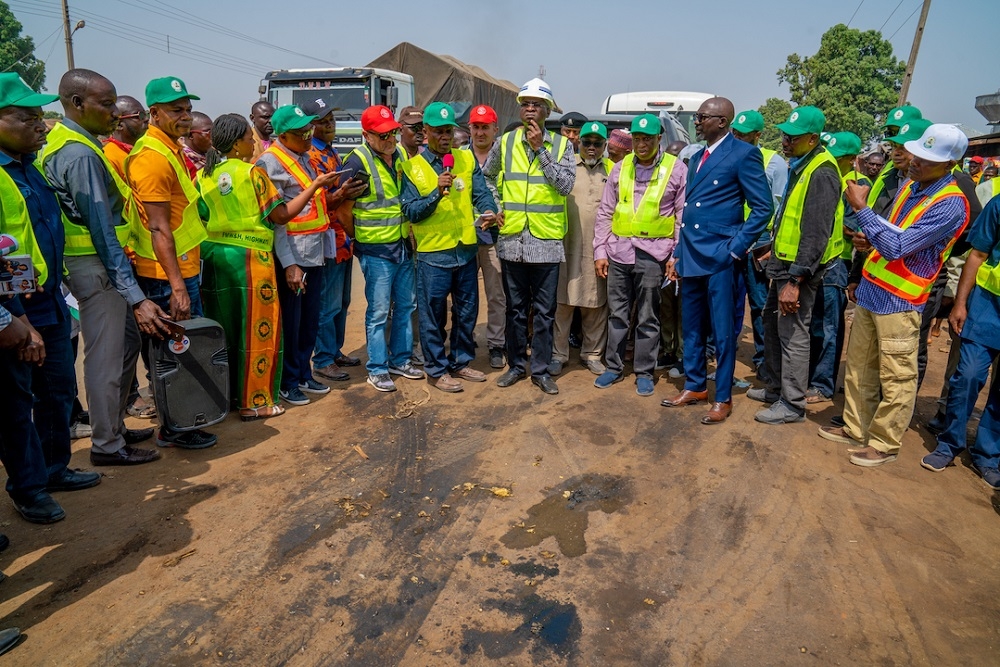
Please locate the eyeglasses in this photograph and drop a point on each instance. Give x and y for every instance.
(200, 132)
(139, 116)
(382, 136)
(702, 117)
(592, 144)
(416, 128)
(302, 134)
(535, 105)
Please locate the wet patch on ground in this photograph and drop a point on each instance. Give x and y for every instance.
(533, 569)
(547, 626)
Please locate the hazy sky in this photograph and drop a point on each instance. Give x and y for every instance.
(589, 49)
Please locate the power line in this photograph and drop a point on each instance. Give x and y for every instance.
(890, 15)
(904, 23)
(855, 13)
(32, 49)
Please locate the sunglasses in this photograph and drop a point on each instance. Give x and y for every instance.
(702, 117)
(592, 144)
(535, 105)
(130, 116)
(414, 127)
(382, 136)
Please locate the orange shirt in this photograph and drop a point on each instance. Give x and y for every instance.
(154, 180)
(116, 155)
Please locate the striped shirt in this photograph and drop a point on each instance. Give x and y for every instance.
(920, 244)
(5, 318)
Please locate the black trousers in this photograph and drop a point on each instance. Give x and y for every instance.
(528, 286)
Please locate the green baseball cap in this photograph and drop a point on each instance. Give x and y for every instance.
(900, 116)
(647, 123)
(593, 127)
(843, 143)
(910, 131)
(748, 121)
(439, 114)
(803, 120)
(14, 92)
(167, 89)
(289, 117)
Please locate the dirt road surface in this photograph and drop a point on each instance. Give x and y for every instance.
(507, 527)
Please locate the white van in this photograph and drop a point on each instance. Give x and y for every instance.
(682, 104)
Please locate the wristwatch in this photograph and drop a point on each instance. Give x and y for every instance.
(794, 280)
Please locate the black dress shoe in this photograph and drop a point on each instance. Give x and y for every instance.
(546, 384)
(4, 541)
(73, 480)
(133, 436)
(344, 360)
(41, 508)
(510, 377)
(9, 638)
(126, 456)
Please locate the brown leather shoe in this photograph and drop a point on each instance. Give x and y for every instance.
(719, 413)
(446, 383)
(685, 398)
(470, 374)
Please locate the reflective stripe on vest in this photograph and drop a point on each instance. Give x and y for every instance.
(453, 221)
(15, 221)
(316, 219)
(528, 199)
(786, 240)
(378, 217)
(191, 232)
(988, 277)
(893, 276)
(235, 211)
(78, 239)
(768, 154)
(643, 220)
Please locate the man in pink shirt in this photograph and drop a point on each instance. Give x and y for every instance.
(634, 236)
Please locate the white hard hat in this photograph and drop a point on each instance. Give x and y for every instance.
(537, 88)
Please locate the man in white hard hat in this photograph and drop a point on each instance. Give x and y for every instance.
(539, 169)
(926, 217)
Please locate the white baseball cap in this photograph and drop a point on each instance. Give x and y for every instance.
(939, 143)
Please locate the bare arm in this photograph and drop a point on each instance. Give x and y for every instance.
(158, 216)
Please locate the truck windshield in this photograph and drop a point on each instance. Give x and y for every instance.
(348, 100)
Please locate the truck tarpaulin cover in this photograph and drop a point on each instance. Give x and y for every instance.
(446, 79)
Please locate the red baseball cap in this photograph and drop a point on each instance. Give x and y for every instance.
(378, 119)
(977, 159)
(482, 114)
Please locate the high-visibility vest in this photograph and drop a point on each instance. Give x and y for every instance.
(879, 185)
(848, 251)
(235, 211)
(315, 220)
(643, 220)
(378, 217)
(528, 199)
(786, 240)
(767, 153)
(988, 277)
(191, 232)
(78, 239)
(453, 220)
(893, 276)
(15, 221)
(996, 186)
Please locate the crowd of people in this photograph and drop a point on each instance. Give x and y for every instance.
(638, 252)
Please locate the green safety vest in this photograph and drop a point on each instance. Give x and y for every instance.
(528, 199)
(643, 220)
(768, 154)
(996, 186)
(235, 215)
(893, 276)
(378, 217)
(453, 220)
(786, 241)
(879, 185)
(191, 232)
(78, 239)
(15, 221)
(988, 277)
(852, 175)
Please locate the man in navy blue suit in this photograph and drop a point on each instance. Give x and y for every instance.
(713, 236)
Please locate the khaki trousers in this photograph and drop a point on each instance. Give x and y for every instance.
(496, 302)
(880, 384)
(594, 330)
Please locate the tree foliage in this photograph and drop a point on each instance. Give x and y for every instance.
(854, 78)
(17, 53)
(774, 111)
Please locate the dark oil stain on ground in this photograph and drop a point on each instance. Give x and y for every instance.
(563, 514)
(546, 626)
(534, 569)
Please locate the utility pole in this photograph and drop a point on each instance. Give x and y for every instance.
(69, 35)
(908, 77)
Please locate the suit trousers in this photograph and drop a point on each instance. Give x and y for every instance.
(528, 286)
(110, 350)
(639, 285)
(496, 302)
(707, 302)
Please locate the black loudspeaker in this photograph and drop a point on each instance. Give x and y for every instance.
(191, 376)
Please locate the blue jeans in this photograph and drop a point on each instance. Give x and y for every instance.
(434, 285)
(827, 329)
(751, 284)
(54, 386)
(388, 285)
(299, 324)
(20, 449)
(158, 291)
(974, 360)
(333, 311)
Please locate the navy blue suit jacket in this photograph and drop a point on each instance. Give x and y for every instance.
(712, 224)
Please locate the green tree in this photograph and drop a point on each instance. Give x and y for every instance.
(17, 53)
(774, 111)
(854, 78)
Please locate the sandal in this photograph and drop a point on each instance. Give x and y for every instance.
(814, 396)
(143, 411)
(252, 414)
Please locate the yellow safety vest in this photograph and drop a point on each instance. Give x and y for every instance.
(191, 232)
(15, 221)
(996, 186)
(378, 217)
(78, 239)
(528, 199)
(988, 277)
(893, 276)
(853, 175)
(879, 185)
(786, 241)
(235, 211)
(643, 220)
(315, 220)
(453, 220)
(768, 154)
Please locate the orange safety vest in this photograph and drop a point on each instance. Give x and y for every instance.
(893, 276)
(314, 219)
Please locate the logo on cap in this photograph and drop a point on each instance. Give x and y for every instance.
(742, 119)
(898, 114)
(593, 127)
(904, 129)
(929, 143)
(444, 113)
(320, 103)
(643, 122)
(832, 142)
(384, 113)
(176, 85)
(298, 112)
(794, 117)
(481, 111)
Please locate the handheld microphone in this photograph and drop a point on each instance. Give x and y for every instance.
(448, 161)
